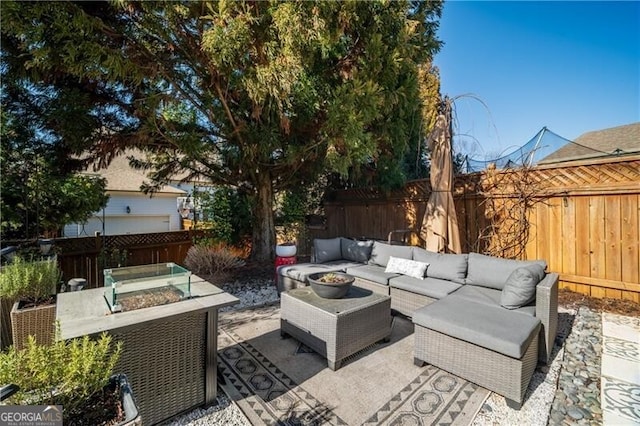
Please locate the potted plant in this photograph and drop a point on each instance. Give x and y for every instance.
(33, 286)
(331, 285)
(76, 374)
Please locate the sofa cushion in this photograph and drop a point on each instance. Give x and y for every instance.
(356, 251)
(372, 273)
(491, 297)
(452, 267)
(412, 268)
(430, 287)
(490, 271)
(381, 252)
(493, 328)
(301, 271)
(327, 250)
(520, 287)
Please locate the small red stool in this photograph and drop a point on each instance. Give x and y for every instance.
(280, 260)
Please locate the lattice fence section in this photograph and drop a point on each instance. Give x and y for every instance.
(585, 175)
(137, 240)
(561, 177)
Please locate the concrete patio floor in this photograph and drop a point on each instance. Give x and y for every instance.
(620, 381)
(618, 363)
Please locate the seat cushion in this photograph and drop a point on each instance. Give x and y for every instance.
(490, 271)
(452, 267)
(493, 328)
(381, 252)
(356, 251)
(301, 271)
(491, 297)
(372, 273)
(430, 287)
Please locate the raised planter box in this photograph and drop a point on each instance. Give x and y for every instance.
(38, 322)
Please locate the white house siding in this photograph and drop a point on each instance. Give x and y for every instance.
(156, 214)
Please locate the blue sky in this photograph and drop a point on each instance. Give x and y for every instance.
(571, 66)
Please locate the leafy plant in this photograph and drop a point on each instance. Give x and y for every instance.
(33, 281)
(331, 278)
(214, 259)
(113, 258)
(66, 373)
(227, 213)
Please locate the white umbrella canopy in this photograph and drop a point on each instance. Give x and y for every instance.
(440, 223)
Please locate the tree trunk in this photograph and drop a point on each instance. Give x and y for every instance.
(263, 238)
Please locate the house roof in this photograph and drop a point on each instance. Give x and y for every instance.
(621, 140)
(122, 177)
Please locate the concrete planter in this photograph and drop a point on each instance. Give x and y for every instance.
(286, 250)
(331, 290)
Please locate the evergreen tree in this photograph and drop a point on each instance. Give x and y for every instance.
(262, 96)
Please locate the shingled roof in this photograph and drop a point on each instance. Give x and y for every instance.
(621, 140)
(122, 177)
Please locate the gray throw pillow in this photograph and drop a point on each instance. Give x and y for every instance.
(520, 288)
(326, 250)
(356, 251)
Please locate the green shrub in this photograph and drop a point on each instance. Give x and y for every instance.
(66, 373)
(34, 281)
(213, 259)
(227, 215)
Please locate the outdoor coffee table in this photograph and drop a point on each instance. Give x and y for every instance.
(335, 328)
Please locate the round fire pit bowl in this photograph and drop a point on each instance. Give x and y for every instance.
(331, 285)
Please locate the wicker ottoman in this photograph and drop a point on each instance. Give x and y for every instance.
(489, 346)
(335, 328)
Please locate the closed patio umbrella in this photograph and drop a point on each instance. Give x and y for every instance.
(440, 223)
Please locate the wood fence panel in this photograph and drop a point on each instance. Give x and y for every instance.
(569, 236)
(629, 208)
(597, 236)
(583, 259)
(613, 241)
(531, 248)
(556, 240)
(542, 232)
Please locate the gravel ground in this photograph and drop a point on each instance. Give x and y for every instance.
(495, 411)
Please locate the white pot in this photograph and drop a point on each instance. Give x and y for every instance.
(286, 250)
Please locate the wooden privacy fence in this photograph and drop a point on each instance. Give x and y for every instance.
(581, 217)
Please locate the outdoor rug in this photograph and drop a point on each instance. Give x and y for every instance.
(280, 381)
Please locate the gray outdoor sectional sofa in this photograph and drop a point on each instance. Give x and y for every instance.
(483, 318)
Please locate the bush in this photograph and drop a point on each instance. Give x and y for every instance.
(210, 260)
(66, 373)
(34, 281)
(227, 215)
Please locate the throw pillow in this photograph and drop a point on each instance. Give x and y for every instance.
(520, 287)
(411, 268)
(356, 251)
(326, 250)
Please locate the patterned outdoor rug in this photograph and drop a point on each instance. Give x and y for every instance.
(280, 381)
